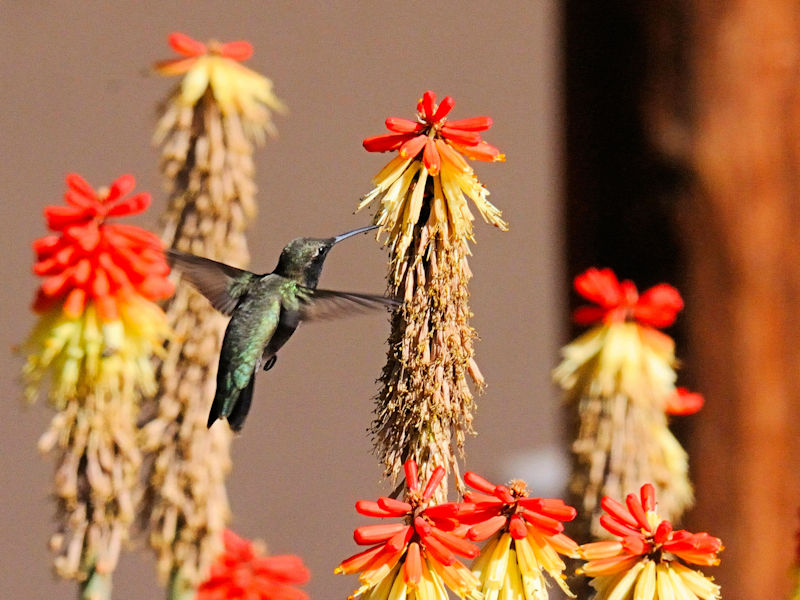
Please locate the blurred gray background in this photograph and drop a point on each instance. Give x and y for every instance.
(77, 95)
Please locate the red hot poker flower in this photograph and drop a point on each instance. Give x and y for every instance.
(92, 260)
(436, 137)
(421, 549)
(620, 301)
(643, 534)
(531, 527)
(240, 572)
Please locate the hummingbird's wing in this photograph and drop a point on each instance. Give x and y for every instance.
(222, 284)
(327, 304)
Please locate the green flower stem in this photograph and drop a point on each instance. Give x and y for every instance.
(180, 588)
(96, 587)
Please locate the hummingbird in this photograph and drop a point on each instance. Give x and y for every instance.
(265, 310)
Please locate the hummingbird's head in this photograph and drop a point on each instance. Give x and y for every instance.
(302, 258)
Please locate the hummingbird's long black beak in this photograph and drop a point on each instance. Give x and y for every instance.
(344, 236)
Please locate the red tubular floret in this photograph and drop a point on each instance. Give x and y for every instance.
(183, 44)
(471, 124)
(663, 532)
(618, 511)
(433, 483)
(400, 125)
(445, 106)
(362, 560)
(130, 206)
(410, 470)
(467, 138)
(238, 50)
(517, 527)
(635, 507)
(397, 508)
(121, 186)
(479, 483)
(426, 105)
(400, 539)
(385, 142)
(540, 521)
(455, 543)
(369, 508)
(487, 528)
(615, 527)
(373, 534)
(412, 570)
(648, 495)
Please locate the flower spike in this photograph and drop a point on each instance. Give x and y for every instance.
(620, 375)
(432, 146)
(97, 331)
(425, 193)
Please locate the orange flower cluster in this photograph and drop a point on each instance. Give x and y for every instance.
(649, 554)
(92, 260)
(419, 553)
(620, 301)
(217, 67)
(241, 573)
(192, 49)
(436, 137)
(526, 537)
(431, 159)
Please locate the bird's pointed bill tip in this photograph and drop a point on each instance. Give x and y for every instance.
(347, 234)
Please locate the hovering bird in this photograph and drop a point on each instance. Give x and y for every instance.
(265, 310)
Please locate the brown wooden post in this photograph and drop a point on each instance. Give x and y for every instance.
(742, 230)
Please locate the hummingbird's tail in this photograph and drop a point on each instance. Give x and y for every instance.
(235, 411)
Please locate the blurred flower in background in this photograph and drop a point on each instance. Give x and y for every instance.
(207, 130)
(91, 350)
(241, 571)
(620, 376)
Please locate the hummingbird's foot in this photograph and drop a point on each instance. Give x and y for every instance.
(270, 362)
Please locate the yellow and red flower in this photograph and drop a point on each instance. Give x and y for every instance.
(649, 559)
(624, 351)
(216, 66)
(241, 572)
(99, 324)
(525, 538)
(416, 557)
(431, 156)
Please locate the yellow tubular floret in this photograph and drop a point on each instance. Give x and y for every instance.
(646, 585)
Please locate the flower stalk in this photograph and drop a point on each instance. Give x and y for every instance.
(208, 129)
(620, 376)
(97, 331)
(424, 406)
